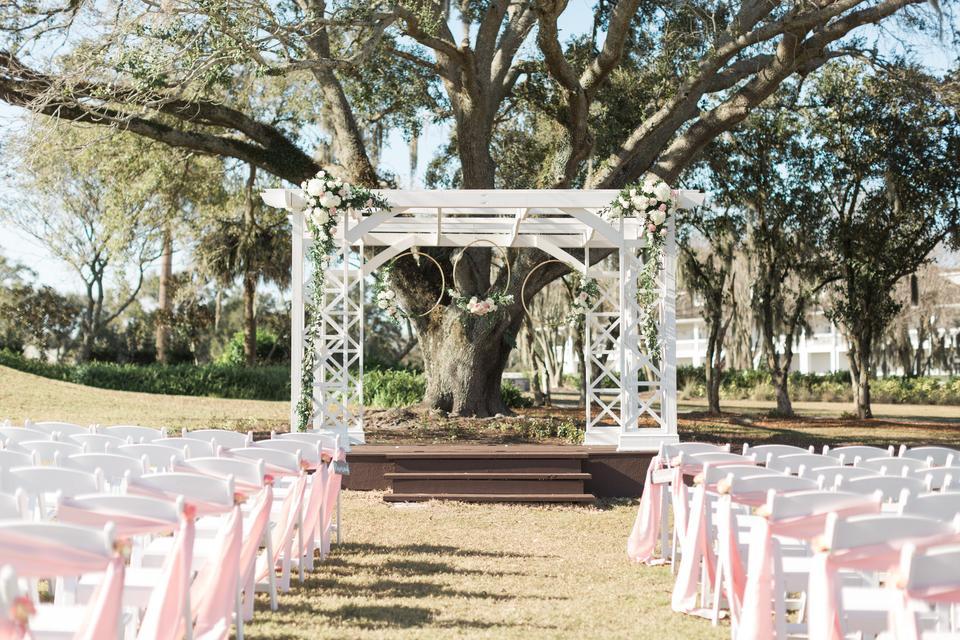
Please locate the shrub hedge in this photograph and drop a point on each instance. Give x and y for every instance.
(213, 380)
(754, 384)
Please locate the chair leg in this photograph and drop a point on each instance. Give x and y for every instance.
(338, 516)
(238, 613)
(300, 544)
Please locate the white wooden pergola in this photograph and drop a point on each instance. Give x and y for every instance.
(624, 384)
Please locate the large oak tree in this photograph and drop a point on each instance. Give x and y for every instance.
(686, 72)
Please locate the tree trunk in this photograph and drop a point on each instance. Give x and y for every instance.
(535, 387)
(164, 300)
(781, 380)
(463, 359)
(860, 373)
(250, 318)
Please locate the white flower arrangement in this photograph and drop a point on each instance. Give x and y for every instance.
(650, 202)
(584, 295)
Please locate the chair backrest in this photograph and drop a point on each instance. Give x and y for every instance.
(890, 487)
(935, 456)
(96, 542)
(799, 504)
(308, 452)
(12, 505)
(939, 506)
(195, 448)
(794, 462)
(134, 506)
(68, 482)
(63, 428)
(272, 459)
(191, 486)
(756, 485)
(329, 441)
(938, 478)
(220, 437)
(828, 477)
(669, 451)
(893, 466)
(764, 450)
(712, 474)
(10, 459)
(715, 457)
(156, 456)
(243, 471)
(96, 442)
(113, 466)
(850, 453)
(13, 436)
(891, 529)
(930, 570)
(136, 434)
(51, 451)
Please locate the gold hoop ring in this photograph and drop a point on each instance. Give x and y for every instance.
(503, 252)
(523, 287)
(443, 278)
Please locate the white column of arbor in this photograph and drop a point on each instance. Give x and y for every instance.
(631, 395)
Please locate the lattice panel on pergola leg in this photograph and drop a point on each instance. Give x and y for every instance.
(624, 385)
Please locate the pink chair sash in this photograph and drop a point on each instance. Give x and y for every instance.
(37, 558)
(696, 547)
(259, 518)
(316, 504)
(202, 507)
(756, 617)
(285, 528)
(126, 524)
(164, 618)
(903, 620)
(824, 591)
(214, 592)
(334, 480)
(12, 629)
(646, 528)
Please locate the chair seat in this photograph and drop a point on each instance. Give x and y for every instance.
(60, 622)
(867, 609)
(138, 585)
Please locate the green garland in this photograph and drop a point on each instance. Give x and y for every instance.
(328, 200)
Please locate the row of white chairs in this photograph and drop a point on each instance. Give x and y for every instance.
(707, 553)
(156, 484)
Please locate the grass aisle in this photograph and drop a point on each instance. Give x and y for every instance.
(446, 570)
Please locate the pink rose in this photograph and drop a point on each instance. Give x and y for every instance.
(651, 227)
(663, 207)
(663, 232)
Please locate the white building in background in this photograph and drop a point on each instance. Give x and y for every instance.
(822, 351)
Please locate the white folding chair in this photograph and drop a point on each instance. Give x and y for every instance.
(890, 487)
(933, 456)
(828, 477)
(12, 505)
(943, 506)
(850, 453)
(893, 466)
(308, 452)
(50, 452)
(762, 451)
(794, 463)
(865, 610)
(11, 437)
(220, 437)
(194, 448)
(929, 583)
(113, 467)
(134, 433)
(63, 428)
(38, 483)
(156, 457)
(245, 472)
(939, 478)
(10, 459)
(327, 440)
(96, 442)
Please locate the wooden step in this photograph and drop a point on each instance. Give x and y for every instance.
(584, 498)
(485, 482)
(490, 464)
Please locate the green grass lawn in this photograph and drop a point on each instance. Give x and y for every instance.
(449, 570)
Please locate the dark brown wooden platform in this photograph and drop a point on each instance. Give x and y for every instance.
(506, 473)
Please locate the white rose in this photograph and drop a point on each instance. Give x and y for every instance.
(662, 192)
(321, 173)
(383, 304)
(389, 295)
(624, 203)
(638, 201)
(315, 187)
(650, 182)
(657, 217)
(330, 200)
(320, 217)
(633, 193)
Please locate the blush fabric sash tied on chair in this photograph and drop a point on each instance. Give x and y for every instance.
(696, 547)
(37, 557)
(646, 528)
(168, 611)
(214, 591)
(756, 617)
(824, 592)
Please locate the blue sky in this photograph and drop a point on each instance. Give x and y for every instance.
(395, 158)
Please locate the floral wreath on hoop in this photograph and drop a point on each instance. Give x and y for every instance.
(386, 298)
(652, 203)
(328, 200)
(480, 306)
(585, 294)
